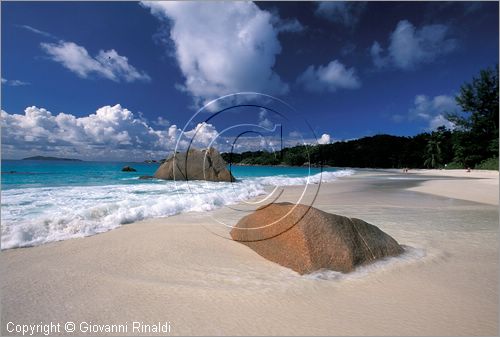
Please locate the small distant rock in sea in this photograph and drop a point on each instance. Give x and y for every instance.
(307, 239)
(145, 177)
(195, 165)
(128, 169)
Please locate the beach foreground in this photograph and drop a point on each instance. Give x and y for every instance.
(177, 270)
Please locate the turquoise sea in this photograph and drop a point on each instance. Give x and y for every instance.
(44, 201)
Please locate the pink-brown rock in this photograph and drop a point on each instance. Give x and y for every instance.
(195, 165)
(306, 239)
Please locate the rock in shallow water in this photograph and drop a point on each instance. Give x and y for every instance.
(195, 165)
(128, 169)
(306, 239)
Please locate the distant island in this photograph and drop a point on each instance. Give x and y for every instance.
(50, 158)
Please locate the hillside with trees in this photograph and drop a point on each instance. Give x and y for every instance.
(472, 143)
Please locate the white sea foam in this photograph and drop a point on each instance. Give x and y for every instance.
(34, 216)
(282, 180)
(411, 254)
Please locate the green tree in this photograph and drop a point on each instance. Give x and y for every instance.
(477, 125)
(433, 149)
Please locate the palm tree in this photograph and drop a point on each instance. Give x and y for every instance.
(433, 158)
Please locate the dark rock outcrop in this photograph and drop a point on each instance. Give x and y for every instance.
(195, 165)
(128, 169)
(306, 239)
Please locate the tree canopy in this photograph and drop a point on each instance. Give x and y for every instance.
(473, 142)
(477, 125)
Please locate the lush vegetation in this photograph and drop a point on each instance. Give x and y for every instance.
(472, 143)
(488, 164)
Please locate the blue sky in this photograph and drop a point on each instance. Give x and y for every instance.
(113, 80)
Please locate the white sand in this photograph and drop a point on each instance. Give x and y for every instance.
(175, 269)
(480, 186)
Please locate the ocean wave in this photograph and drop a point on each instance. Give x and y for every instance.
(34, 216)
(283, 180)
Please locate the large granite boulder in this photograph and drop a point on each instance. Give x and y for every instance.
(195, 165)
(306, 239)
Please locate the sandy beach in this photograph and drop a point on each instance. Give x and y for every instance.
(183, 270)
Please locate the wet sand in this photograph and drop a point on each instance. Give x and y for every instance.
(183, 270)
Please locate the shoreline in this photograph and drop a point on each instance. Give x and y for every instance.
(428, 182)
(396, 170)
(174, 269)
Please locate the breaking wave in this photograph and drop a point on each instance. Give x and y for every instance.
(34, 216)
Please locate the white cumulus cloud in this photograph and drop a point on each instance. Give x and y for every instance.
(107, 64)
(346, 13)
(116, 133)
(160, 121)
(264, 121)
(288, 26)
(433, 110)
(376, 52)
(410, 47)
(324, 139)
(111, 133)
(331, 77)
(223, 47)
(202, 135)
